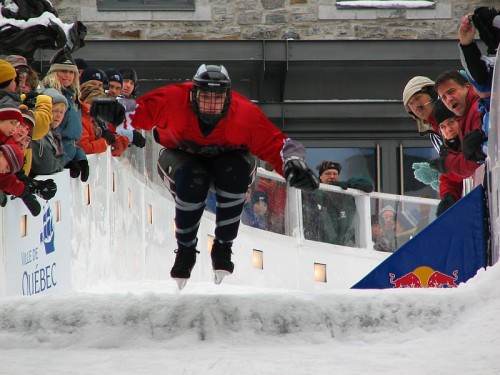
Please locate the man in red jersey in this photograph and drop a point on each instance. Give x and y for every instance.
(210, 134)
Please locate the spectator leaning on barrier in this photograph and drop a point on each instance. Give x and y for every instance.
(96, 137)
(10, 118)
(11, 162)
(48, 152)
(336, 210)
(459, 97)
(63, 76)
(451, 185)
(419, 96)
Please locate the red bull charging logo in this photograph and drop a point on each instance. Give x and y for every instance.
(424, 277)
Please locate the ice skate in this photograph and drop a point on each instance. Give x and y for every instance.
(221, 260)
(184, 263)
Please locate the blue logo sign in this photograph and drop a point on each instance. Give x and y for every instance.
(47, 235)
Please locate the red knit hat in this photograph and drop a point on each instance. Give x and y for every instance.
(10, 112)
(14, 156)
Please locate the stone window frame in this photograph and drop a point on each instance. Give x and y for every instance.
(145, 5)
(385, 4)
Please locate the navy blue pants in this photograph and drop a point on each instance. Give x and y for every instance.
(190, 177)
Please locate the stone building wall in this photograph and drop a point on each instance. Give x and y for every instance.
(271, 20)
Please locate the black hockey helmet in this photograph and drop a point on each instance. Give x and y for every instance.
(211, 79)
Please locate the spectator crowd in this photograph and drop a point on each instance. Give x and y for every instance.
(46, 127)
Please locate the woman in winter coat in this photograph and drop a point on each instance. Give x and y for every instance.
(63, 76)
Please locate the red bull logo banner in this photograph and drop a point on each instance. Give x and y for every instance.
(448, 252)
(424, 277)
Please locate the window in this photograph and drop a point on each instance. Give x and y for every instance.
(121, 5)
(385, 4)
(412, 186)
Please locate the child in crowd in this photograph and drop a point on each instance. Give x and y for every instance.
(11, 162)
(48, 152)
(10, 119)
(255, 210)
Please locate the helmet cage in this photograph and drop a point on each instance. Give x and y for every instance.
(211, 89)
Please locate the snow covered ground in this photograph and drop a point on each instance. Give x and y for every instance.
(151, 328)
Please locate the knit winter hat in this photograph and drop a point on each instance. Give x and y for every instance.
(413, 86)
(387, 208)
(62, 60)
(28, 117)
(441, 112)
(114, 75)
(81, 63)
(260, 196)
(7, 72)
(17, 60)
(93, 74)
(56, 96)
(328, 164)
(10, 112)
(14, 156)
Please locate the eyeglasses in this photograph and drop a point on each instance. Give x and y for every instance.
(421, 106)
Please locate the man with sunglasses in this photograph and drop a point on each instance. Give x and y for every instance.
(210, 134)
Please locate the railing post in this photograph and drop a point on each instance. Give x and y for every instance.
(365, 226)
(294, 214)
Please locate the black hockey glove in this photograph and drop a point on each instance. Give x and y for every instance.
(108, 110)
(30, 201)
(30, 100)
(483, 21)
(138, 140)
(299, 175)
(471, 145)
(108, 136)
(447, 201)
(486, 15)
(438, 164)
(343, 184)
(74, 169)
(84, 169)
(46, 189)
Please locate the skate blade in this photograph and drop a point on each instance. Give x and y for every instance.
(181, 283)
(219, 275)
